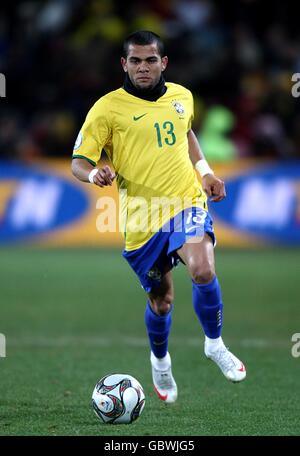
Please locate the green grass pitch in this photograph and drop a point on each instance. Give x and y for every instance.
(72, 316)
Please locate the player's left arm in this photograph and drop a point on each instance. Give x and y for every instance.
(212, 185)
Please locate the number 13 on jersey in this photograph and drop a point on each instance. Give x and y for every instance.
(167, 132)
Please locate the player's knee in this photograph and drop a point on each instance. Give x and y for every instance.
(203, 274)
(163, 304)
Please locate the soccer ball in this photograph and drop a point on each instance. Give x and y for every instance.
(118, 398)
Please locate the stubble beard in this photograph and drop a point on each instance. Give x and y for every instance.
(148, 87)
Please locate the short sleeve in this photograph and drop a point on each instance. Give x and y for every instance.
(94, 134)
(191, 110)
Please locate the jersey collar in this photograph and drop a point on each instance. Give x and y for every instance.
(150, 95)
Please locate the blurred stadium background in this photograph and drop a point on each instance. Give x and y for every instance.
(62, 315)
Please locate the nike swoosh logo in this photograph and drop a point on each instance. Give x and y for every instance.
(139, 117)
(163, 397)
(242, 369)
(160, 343)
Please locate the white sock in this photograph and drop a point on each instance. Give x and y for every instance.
(213, 344)
(161, 363)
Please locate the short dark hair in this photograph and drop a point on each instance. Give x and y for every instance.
(143, 38)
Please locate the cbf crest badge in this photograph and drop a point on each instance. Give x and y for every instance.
(179, 108)
(154, 274)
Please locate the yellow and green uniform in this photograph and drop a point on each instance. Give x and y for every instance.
(147, 144)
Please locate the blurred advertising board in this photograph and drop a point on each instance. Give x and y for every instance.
(43, 204)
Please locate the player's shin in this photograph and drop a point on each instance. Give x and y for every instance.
(207, 301)
(158, 328)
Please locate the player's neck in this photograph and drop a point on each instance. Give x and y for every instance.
(146, 94)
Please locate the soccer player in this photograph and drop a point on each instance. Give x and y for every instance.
(145, 129)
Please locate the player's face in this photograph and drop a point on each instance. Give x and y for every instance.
(144, 65)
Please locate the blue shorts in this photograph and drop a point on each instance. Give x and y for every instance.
(152, 260)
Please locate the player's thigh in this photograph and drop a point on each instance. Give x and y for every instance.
(161, 297)
(199, 259)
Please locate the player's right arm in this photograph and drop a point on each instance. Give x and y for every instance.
(81, 169)
(94, 135)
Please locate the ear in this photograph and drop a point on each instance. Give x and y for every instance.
(164, 61)
(124, 64)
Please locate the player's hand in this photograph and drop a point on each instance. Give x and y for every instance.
(213, 187)
(104, 176)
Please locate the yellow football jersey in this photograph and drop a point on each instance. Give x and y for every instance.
(147, 144)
